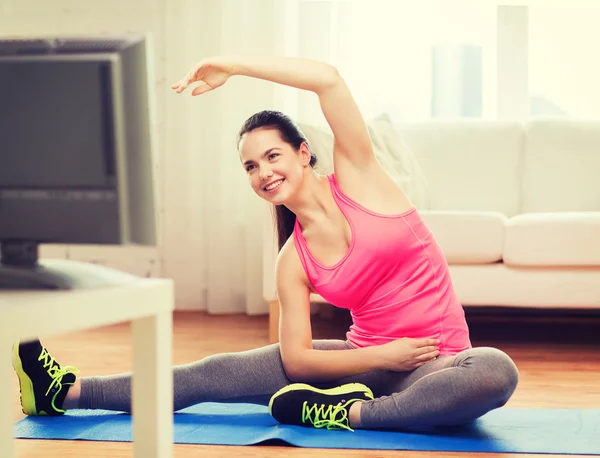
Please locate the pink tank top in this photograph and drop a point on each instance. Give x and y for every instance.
(394, 279)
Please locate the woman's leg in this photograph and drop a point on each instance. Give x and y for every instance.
(450, 390)
(248, 376)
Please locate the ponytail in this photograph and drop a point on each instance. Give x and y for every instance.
(285, 220)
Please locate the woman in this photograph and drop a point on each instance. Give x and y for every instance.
(356, 239)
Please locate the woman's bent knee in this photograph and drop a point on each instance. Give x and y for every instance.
(505, 373)
(498, 374)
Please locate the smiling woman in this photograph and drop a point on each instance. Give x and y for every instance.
(353, 237)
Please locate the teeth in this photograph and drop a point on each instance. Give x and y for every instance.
(273, 185)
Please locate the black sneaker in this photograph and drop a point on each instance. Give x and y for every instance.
(43, 382)
(304, 405)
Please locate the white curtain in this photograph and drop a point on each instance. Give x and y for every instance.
(232, 215)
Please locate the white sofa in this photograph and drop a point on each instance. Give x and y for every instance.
(515, 208)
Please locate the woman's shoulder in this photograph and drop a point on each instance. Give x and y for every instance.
(288, 259)
(288, 267)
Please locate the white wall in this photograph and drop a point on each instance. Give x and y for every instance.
(210, 223)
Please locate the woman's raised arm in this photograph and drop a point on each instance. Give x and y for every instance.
(352, 144)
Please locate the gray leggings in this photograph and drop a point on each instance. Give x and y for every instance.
(450, 390)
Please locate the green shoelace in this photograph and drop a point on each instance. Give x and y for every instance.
(327, 416)
(56, 373)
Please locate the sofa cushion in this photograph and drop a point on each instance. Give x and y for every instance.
(469, 165)
(540, 287)
(561, 169)
(553, 239)
(467, 237)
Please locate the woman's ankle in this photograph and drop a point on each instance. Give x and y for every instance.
(72, 399)
(354, 415)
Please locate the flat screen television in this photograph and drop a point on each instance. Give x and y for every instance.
(76, 151)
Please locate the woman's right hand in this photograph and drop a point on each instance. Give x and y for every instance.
(407, 354)
(213, 72)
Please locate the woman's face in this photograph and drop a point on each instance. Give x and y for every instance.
(274, 168)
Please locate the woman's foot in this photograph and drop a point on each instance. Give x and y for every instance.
(304, 405)
(43, 382)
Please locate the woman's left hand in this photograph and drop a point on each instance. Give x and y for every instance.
(213, 72)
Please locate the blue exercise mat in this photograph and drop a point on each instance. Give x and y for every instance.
(557, 431)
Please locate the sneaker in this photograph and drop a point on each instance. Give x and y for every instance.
(304, 405)
(43, 382)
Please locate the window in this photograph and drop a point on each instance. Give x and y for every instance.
(432, 59)
(413, 60)
(564, 74)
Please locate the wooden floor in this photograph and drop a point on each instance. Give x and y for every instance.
(558, 359)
